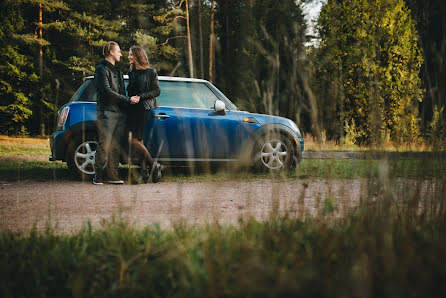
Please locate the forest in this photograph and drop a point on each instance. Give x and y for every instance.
(372, 72)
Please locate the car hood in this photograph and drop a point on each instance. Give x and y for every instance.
(266, 119)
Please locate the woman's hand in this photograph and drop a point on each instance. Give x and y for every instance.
(134, 99)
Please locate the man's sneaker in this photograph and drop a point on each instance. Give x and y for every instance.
(157, 172)
(97, 179)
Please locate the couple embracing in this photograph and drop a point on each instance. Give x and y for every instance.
(119, 114)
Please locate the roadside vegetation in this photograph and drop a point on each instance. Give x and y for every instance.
(389, 246)
(307, 169)
(323, 144)
(10, 146)
(431, 166)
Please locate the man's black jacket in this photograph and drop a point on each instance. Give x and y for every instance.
(111, 90)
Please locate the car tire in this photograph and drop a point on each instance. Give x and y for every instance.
(81, 156)
(273, 152)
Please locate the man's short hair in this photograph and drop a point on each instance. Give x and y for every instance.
(108, 47)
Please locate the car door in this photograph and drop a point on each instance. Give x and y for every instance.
(185, 126)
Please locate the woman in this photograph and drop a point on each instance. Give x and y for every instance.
(143, 82)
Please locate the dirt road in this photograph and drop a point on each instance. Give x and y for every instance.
(69, 205)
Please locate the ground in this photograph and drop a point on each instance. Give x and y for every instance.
(69, 205)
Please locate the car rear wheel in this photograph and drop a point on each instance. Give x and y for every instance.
(274, 152)
(81, 157)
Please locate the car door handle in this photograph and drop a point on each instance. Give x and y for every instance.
(162, 116)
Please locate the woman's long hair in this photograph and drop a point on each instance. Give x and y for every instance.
(140, 58)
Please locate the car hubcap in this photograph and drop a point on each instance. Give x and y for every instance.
(84, 157)
(273, 154)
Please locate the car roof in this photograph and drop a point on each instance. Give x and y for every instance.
(163, 78)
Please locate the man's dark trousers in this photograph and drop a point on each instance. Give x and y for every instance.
(111, 128)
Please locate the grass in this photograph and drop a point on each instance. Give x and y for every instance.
(12, 170)
(391, 245)
(312, 144)
(40, 146)
(308, 169)
(23, 146)
(384, 248)
(34, 170)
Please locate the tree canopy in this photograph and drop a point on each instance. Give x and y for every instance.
(369, 63)
(364, 81)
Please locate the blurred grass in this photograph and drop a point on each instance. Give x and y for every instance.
(384, 248)
(312, 144)
(33, 170)
(23, 146)
(40, 146)
(391, 245)
(14, 170)
(308, 168)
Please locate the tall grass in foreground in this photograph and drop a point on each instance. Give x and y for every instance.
(391, 245)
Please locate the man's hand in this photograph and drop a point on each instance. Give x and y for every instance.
(134, 99)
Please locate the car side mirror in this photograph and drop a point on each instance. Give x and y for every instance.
(220, 107)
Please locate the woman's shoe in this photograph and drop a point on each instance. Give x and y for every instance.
(157, 172)
(145, 175)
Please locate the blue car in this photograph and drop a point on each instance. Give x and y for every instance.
(194, 123)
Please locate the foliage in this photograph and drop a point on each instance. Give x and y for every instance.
(262, 62)
(73, 35)
(429, 17)
(366, 67)
(369, 64)
(16, 77)
(437, 127)
(378, 249)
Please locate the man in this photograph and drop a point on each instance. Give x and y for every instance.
(112, 114)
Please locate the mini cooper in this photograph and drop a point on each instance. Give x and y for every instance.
(193, 123)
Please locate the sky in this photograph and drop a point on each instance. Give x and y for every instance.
(311, 11)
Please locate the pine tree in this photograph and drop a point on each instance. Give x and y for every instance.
(15, 73)
(42, 104)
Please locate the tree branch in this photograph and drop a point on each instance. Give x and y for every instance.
(181, 3)
(167, 40)
(178, 17)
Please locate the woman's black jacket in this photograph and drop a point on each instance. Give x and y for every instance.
(144, 82)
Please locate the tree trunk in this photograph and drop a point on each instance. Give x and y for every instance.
(211, 46)
(201, 41)
(40, 25)
(227, 31)
(189, 45)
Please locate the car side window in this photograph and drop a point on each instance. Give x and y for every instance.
(186, 95)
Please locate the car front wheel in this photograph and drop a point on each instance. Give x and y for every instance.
(274, 152)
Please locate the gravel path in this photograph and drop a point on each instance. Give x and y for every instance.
(69, 205)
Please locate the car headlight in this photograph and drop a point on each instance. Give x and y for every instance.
(294, 126)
